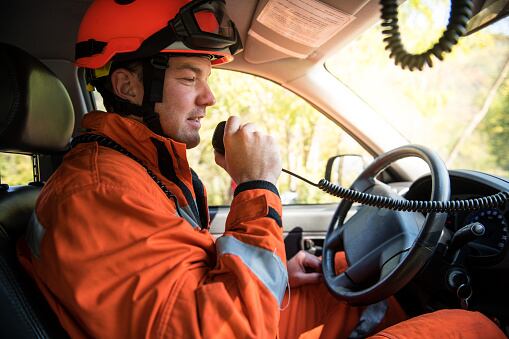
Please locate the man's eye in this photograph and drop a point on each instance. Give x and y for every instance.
(189, 79)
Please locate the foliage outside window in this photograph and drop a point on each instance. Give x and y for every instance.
(15, 169)
(458, 107)
(306, 137)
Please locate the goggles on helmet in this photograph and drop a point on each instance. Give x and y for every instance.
(204, 24)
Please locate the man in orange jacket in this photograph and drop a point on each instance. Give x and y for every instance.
(119, 241)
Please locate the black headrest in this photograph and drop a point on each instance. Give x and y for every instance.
(36, 113)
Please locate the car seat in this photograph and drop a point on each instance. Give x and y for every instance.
(36, 117)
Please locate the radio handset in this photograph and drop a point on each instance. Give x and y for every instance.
(217, 138)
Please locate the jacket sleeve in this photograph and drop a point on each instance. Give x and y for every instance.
(241, 295)
(121, 261)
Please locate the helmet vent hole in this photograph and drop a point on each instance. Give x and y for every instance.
(124, 2)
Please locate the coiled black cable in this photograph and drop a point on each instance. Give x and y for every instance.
(381, 201)
(413, 205)
(461, 12)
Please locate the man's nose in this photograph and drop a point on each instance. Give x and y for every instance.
(206, 97)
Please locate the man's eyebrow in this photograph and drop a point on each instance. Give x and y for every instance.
(198, 71)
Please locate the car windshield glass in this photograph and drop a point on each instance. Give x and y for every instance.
(459, 107)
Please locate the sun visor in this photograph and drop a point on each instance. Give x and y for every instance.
(295, 28)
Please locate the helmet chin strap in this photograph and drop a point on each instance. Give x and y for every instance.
(154, 70)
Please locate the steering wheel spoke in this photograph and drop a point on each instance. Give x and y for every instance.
(334, 241)
(342, 281)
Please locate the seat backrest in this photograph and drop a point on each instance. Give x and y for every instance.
(36, 116)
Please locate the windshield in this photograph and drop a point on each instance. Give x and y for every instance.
(460, 107)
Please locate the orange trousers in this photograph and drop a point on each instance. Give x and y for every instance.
(312, 312)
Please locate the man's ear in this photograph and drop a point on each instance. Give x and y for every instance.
(127, 85)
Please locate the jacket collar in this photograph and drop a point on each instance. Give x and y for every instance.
(157, 152)
(135, 137)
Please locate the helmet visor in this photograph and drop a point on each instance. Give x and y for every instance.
(205, 25)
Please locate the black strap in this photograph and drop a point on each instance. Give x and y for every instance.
(167, 170)
(201, 199)
(89, 48)
(154, 70)
(107, 142)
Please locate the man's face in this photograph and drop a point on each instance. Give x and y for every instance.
(186, 95)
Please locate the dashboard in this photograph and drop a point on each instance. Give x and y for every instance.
(489, 248)
(482, 262)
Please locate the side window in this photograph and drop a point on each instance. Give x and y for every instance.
(306, 137)
(15, 169)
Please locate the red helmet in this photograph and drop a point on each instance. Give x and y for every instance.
(134, 29)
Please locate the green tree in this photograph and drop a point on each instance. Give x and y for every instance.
(496, 127)
(306, 137)
(15, 169)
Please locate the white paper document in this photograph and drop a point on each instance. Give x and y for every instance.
(308, 22)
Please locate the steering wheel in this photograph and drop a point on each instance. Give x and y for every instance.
(384, 249)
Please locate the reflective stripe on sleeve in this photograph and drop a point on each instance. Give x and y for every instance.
(266, 265)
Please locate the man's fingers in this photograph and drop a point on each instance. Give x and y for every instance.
(249, 127)
(307, 278)
(250, 155)
(313, 262)
(232, 125)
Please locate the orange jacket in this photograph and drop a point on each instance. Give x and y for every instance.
(115, 258)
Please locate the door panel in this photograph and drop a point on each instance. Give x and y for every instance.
(302, 224)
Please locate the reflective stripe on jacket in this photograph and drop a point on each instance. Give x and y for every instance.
(115, 259)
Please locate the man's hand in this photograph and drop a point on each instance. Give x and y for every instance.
(250, 154)
(299, 266)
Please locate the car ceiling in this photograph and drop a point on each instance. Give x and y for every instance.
(47, 29)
